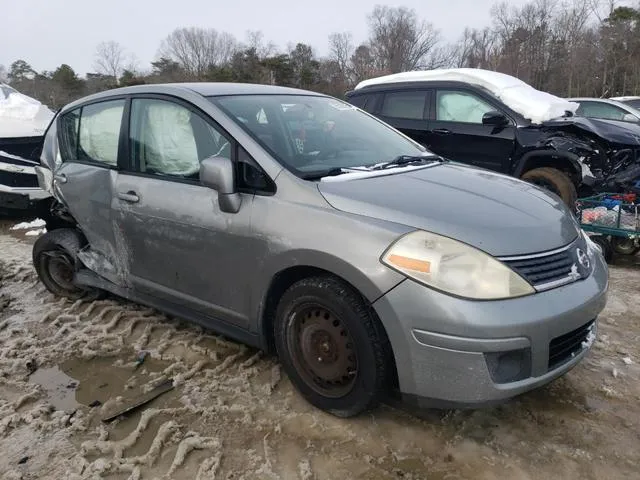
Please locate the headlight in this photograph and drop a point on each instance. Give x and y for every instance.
(454, 267)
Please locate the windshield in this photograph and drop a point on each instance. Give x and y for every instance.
(309, 134)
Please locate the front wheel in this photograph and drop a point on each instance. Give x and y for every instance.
(332, 347)
(555, 181)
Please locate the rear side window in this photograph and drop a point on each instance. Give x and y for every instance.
(91, 133)
(409, 105)
(358, 100)
(68, 135)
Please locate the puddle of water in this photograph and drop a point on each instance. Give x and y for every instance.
(82, 382)
(60, 387)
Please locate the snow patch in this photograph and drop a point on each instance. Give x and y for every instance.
(35, 233)
(588, 342)
(20, 115)
(37, 223)
(627, 360)
(532, 104)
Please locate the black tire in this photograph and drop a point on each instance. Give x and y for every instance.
(54, 256)
(605, 245)
(555, 181)
(340, 326)
(624, 246)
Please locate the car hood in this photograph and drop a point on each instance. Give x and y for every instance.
(495, 213)
(618, 132)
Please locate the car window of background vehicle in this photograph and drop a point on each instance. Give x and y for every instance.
(460, 107)
(409, 105)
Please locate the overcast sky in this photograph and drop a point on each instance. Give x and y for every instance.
(47, 33)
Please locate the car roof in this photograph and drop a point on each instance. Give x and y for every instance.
(206, 89)
(623, 99)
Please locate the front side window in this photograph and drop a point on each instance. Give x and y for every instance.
(168, 139)
(92, 133)
(457, 106)
(409, 105)
(313, 134)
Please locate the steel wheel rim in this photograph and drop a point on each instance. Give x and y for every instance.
(322, 350)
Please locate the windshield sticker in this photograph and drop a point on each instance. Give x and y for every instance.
(341, 106)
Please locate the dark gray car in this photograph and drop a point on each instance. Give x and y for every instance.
(297, 223)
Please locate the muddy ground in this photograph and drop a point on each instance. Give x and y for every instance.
(234, 415)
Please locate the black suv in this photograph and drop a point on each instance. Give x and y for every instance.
(466, 123)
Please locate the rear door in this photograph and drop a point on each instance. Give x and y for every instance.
(89, 140)
(457, 131)
(407, 110)
(178, 245)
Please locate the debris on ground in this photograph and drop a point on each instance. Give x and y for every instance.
(139, 401)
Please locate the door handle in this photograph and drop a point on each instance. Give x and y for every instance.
(441, 131)
(130, 196)
(60, 178)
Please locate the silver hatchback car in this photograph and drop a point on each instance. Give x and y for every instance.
(297, 223)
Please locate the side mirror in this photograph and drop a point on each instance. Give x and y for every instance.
(494, 118)
(218, 174)
(630, 117)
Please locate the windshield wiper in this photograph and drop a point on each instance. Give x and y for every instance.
(402, 160)
(332, 172)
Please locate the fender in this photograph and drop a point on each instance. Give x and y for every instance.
(371, 285)
(572, 158)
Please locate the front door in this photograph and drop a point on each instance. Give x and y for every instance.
(457, 131)
(179, 246)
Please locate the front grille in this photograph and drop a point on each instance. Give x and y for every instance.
(565, 347)
(540, 270)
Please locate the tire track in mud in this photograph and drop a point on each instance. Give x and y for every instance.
(233, 414)
(208, 372)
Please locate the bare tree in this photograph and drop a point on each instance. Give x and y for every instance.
(3, 74)
(363, 64)
(198, 49)
(341, 49)
(399, 40)
(255, 41)
(110, 59)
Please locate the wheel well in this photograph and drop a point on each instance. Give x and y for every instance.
(285, 279)
(558, 162)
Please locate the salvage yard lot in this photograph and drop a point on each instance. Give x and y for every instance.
(233, 414)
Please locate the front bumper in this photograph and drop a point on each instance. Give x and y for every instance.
(19, 188)
(20, 198)
(452, 352)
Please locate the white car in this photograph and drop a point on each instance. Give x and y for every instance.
(607, 109)
(630, 100)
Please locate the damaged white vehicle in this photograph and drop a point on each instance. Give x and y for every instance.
(23, 121)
